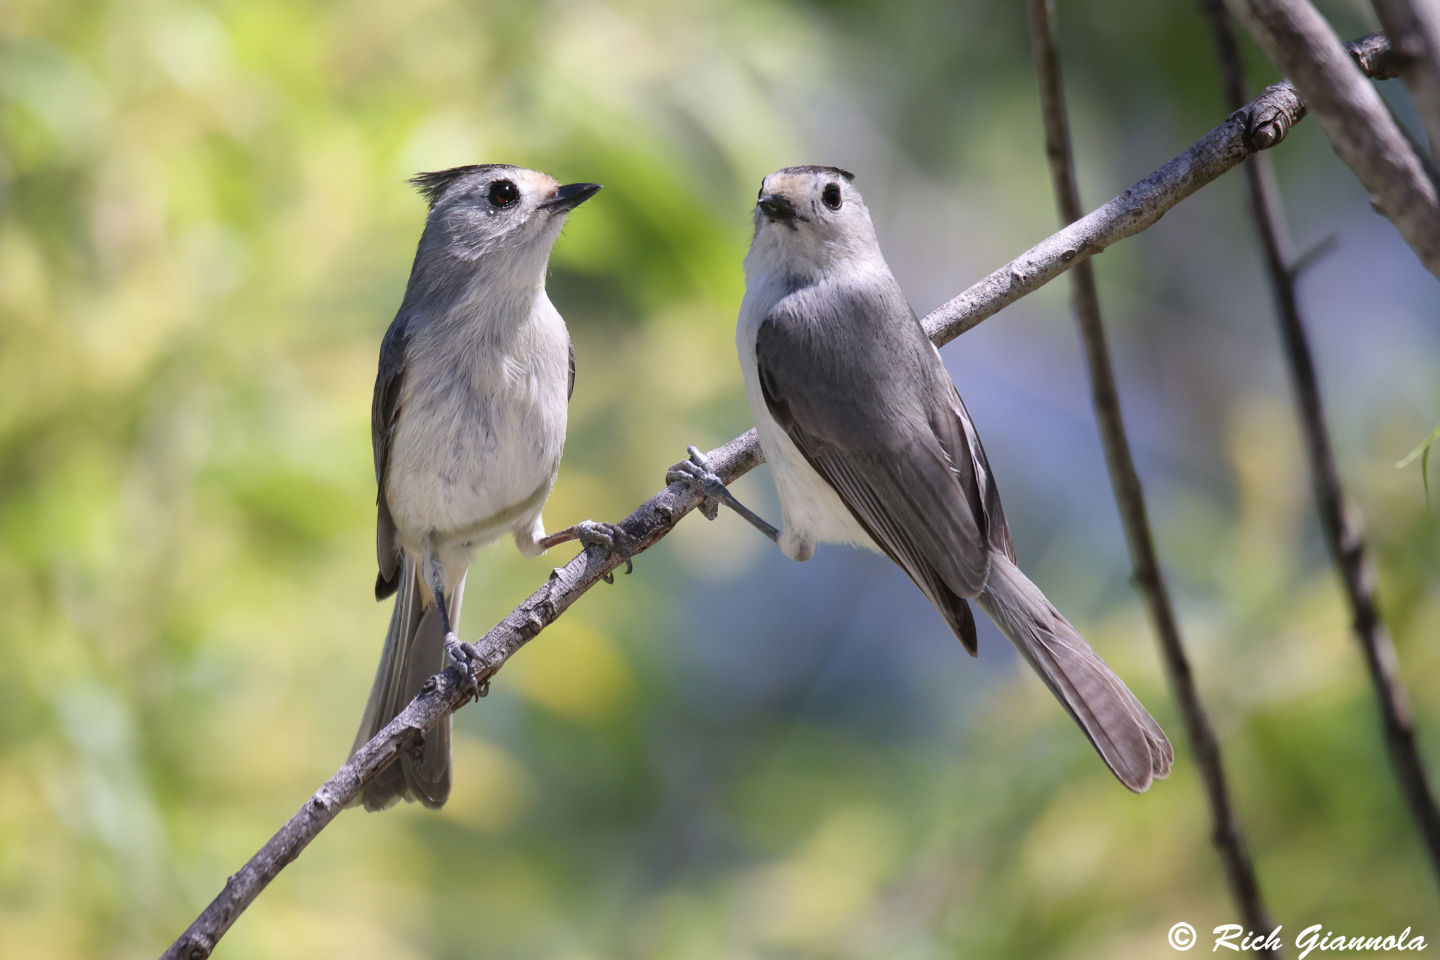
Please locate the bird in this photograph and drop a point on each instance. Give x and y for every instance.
(870, 444)
(468, 425)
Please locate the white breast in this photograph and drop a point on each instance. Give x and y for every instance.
(475, 453)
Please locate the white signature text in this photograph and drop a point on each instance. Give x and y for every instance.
(1232, 936)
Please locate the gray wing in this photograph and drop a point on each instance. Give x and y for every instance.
(384, 413)
(570, 384)
(861, 392)
(959, 438)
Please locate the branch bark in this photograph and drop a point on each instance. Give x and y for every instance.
(1342, 526)
(1364, 134)
(1264, 122)
(1413, 27)
(1227, 834)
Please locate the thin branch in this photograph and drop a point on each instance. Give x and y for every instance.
(448, 691)
(1263, 123)
(1364, 134)
(1227, 834)
(1413, 27)
(1342, 526)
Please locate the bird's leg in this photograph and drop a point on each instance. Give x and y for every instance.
(610, 537)
(697, 474)
(444, 605)
(461, 654)
(434, 574)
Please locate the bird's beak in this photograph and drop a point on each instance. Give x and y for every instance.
(570, 196)
(776, 207)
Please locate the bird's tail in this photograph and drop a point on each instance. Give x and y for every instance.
(1129, 740)
(414, 652)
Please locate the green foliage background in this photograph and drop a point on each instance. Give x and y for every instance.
(204, 230)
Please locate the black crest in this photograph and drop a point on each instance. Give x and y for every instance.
(432, 185)
(813, 168)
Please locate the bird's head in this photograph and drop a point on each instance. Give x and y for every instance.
(486, 209)
(809, 219)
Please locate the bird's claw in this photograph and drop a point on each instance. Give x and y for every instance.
(697, 474)
(466, 657)
(610, 537)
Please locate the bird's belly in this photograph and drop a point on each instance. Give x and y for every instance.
(813, 511)
(478, 475)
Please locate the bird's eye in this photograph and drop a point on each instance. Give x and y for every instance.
(831, 196)
(503, 193)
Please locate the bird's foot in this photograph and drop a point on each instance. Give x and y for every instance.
(697, 474)
(467, 658)
(610, 537)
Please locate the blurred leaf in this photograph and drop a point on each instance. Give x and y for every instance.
(1423, 453)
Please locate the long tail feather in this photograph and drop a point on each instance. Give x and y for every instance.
(1128, 739)
(414, 651)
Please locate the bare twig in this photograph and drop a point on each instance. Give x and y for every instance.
(1342, 526)
(1326, 245)
(1364, 134)
(448, 691)
(1413, 27)
(1264, 123)
(1227, 834)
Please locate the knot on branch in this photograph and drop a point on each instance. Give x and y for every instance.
(196, 948)
(1378, 60)
(1271, 115)
(534, 620)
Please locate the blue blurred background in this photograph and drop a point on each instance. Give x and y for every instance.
(204, 231)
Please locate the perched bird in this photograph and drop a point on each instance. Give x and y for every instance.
(468, 424)
(869, 443)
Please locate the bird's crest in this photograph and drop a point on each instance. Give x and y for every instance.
(432, 185)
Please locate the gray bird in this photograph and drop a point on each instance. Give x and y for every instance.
(468, 424)
(870, 444)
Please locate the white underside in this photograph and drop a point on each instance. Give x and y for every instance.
(468, 479)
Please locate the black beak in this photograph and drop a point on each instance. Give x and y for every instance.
(777, 207)
(570, 196)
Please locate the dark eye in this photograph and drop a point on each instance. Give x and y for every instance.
(831, 196)
(503, 193)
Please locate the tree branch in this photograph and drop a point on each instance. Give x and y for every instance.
(1263, 123)
(1341, 525)
(448, 691)
(1414, 30)
(1364, 134)
(1227, 834)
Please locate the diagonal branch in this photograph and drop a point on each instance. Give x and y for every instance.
(1264, 122)
(1414, 29)
(1341, 525)
(448, 691)
(1364, 134)
(1227, 835)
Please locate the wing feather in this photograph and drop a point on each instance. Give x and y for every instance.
(384, 414)
(890, 435)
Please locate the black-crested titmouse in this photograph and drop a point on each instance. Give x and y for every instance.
(468, 424)
(869, 443)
